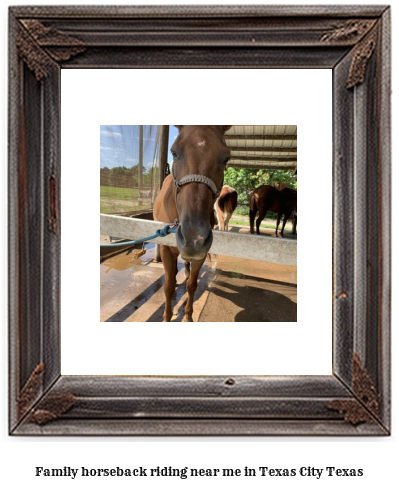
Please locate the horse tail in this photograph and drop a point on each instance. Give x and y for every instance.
(228, 202)
(233, 201)
(252, 202)
(221, 202)
(252, 211)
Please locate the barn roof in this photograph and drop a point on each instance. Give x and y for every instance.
(263, 146)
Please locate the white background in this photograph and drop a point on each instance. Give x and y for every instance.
(277, 97)
(19, 456)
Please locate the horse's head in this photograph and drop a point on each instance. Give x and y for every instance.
(199, 160)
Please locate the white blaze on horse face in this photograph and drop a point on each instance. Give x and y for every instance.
(199, 238)
(202, 144)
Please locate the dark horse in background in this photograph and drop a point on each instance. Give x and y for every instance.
(200, 156)
(265, 199)
(225, 205)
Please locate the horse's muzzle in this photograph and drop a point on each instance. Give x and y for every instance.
(194, 247)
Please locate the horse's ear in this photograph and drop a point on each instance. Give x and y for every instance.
(226, 127)
(179, 127)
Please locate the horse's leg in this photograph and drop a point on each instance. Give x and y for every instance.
(187, 269)
(224, 225)
(220, 214)
(284, 222)
(294, 224)
(228, 212)
(278, 223)
(169, 260)
(191, 284)
(261, 216)
(227, 217)
(252, 213)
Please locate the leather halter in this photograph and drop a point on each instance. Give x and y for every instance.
(197, 178)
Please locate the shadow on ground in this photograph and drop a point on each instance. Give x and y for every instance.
(249, 299)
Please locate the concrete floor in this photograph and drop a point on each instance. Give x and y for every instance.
(229, 289)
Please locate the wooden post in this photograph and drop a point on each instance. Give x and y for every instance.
(163, 152)
(141, 144)
(163, 160)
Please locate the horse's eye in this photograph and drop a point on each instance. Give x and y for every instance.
(174, 155)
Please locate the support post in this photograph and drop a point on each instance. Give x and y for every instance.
(141, 145)
(163, 152)
(163, 160)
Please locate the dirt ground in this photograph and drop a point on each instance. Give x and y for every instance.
(229, 289)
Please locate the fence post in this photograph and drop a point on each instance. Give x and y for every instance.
(141, 144)
(163, 153)
(163, 160)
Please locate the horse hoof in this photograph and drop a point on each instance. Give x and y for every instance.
(187, 319)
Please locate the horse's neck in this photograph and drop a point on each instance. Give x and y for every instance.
(165, 204)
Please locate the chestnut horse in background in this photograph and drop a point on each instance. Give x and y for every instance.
(200, 156)
(265, 199)
(225, 206)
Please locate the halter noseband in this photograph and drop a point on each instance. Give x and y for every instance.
(196, 178)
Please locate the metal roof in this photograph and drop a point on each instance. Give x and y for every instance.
(263, 146)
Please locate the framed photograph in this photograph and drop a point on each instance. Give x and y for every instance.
(240, 273)
(49, 44)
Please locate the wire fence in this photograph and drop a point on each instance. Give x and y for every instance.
(129, 167)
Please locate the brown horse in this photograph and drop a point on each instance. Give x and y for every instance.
(200, 156)
(265, 199)
(225, 205)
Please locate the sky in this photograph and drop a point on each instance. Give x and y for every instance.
(119, 145)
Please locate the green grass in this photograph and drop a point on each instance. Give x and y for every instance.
(115, 200)
(246, 223)
(263, 225)
(109, 194)
(116, 193)
(114, 208)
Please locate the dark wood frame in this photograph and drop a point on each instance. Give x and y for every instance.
(353, 41)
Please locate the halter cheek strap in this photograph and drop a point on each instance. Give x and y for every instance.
(196, 178)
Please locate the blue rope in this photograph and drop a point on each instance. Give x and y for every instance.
(158, 233)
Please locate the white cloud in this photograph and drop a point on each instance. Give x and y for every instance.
(109, 132)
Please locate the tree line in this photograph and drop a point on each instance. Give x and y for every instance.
(242, 180)
(125, 177)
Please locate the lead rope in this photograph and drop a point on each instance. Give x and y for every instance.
(189, 178)
(168, 229)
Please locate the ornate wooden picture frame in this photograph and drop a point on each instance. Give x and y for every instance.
(353, 42)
